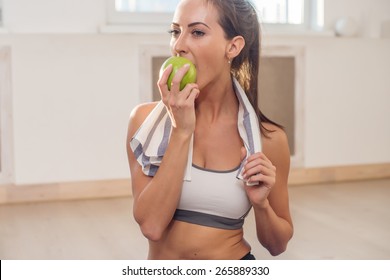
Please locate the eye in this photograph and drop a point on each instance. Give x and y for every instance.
(174, 32)
(198, 33)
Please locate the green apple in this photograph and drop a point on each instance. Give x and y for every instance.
(178, 62)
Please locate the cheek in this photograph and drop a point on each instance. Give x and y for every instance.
(201, 76)
(210, 58)
(171, 47)
(209, 68)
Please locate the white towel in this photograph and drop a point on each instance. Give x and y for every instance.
(151, 140)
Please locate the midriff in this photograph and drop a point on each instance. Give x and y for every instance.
(183, 240)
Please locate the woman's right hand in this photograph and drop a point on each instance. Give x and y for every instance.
(180, 104)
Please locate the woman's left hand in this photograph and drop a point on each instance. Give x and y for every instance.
(258, 168)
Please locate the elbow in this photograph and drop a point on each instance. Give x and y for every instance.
(277, 250)
(279, 247)
(150, 230)
(151, 233)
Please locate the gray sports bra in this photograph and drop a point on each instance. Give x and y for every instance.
(213, 198)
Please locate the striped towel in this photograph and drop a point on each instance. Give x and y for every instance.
(151, 140)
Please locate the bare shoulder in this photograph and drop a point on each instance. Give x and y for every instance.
(275, 136)
(138, 115)
(141, 111)
(275, 143)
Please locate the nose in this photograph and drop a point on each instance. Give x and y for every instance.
(180, 46)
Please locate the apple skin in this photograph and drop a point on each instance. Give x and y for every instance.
(178, 62)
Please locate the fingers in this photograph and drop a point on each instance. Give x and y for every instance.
(193, 92)
(175, 86)
(262, 180)
(162, 82)
(185, 98)
(169, 96)
(258, 161)
(259, 168)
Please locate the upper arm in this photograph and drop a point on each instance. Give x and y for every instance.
(275, 147)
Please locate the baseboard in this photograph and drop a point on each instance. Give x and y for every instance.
(122, 187)
(65, 191)
(334, 174)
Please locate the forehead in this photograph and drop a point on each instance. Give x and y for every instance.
(189, 11)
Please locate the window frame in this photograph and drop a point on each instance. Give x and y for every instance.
(136, 18)
(1, 13)
(6, 143)
(157, 22)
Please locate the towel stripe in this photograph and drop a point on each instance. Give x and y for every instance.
(164, 142)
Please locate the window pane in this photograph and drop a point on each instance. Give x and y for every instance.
(280, 11)
(320, 13)
(146, 5)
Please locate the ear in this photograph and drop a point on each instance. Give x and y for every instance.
(234, 47)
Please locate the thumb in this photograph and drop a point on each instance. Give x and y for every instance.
(243, 153)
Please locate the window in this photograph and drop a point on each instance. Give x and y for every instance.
(164, 6)
(281, 11)
(299, 13)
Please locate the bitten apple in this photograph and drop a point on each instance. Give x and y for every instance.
(178, 62)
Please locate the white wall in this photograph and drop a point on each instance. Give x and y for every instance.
(347, 99)
(369, 14)
(73, 90)
(54, 16)
(72, 95)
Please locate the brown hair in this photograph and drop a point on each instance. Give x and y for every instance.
(239, 18)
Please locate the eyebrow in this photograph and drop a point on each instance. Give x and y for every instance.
(193, 24)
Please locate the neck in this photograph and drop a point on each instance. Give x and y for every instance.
(217, 101)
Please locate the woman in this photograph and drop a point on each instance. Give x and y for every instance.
(202, 217)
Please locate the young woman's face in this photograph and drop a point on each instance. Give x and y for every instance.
(197, 35)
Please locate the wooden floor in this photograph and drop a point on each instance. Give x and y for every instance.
(332, 221)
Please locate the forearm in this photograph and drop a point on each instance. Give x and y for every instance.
(273, 232)
(156, 204)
